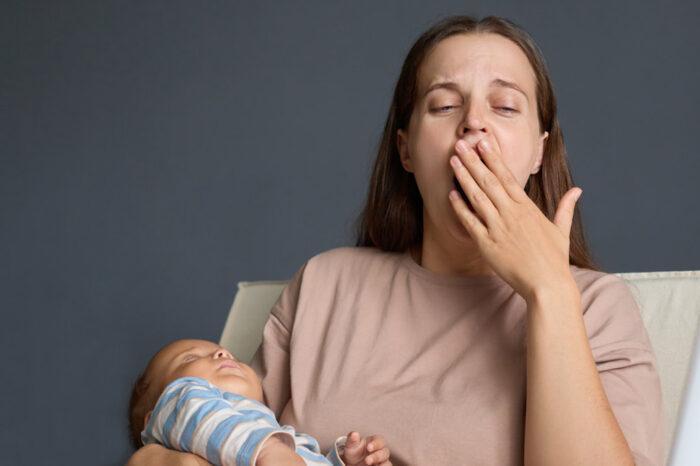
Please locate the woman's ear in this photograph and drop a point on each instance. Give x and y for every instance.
(402, 146)
(148, 418)
(540, 153)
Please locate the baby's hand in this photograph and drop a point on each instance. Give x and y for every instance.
(365, 451)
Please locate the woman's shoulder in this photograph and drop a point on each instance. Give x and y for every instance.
(595, 283)
(610, 310)
(348, 267)
(352, 258)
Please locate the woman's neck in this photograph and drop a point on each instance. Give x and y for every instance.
(446, 256)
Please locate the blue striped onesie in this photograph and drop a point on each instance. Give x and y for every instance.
(194, 416)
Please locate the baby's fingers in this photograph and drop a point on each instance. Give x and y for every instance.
(375, 442)
(353, 440)
(379, 457)
(354, 449)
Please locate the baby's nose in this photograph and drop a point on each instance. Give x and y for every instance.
(222, 353)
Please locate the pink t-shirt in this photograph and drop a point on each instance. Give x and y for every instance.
(370, 341)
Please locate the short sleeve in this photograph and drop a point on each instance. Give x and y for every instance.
(271, 360)
(627, 366)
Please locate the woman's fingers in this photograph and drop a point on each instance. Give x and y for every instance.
(497, 166)
(485, 178)
(468, 218)
(565, 211)
(479, 200)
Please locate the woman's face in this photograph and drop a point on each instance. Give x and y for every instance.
(471, 87)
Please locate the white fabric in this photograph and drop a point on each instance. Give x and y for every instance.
(670, 307)
(669, 303)
(251, 307)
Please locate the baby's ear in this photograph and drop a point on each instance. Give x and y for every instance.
(148, 418)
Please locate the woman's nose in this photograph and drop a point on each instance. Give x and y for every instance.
(222, 353)
(474, 120)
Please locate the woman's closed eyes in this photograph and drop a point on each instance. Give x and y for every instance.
(506, 109)
(443, 109)
(447, 108)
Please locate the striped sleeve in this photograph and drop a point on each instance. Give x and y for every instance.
(194, 416)
(307, 447)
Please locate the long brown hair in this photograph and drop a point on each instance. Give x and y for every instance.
(392, 219)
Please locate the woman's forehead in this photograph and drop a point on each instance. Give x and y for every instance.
(485, 56)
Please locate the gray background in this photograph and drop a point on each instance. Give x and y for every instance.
(155, 154)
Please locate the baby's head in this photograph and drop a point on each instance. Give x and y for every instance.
(188, 358)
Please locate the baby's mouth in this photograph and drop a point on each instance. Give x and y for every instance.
(229, 364)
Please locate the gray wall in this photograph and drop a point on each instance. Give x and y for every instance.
(154, 154)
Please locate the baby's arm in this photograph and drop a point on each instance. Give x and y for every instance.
(365, 451)
(275, 452)
(352, 450)
(194, 416)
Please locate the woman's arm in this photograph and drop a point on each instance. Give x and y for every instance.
(274, 453)
(271, 360)
(569, 419)
(157, 455)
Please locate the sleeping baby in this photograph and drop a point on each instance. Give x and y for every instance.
(194, 396)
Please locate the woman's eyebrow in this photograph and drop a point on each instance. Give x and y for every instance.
(442, 85)
(498, 82)
(453, 86)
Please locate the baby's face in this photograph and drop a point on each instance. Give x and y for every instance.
(206, 360)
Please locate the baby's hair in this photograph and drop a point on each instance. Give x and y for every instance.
(140, 403)
(143, 399)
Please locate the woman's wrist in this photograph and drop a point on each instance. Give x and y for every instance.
(563, 291)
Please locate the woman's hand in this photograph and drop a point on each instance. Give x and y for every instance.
(154, 455)
(515, 238)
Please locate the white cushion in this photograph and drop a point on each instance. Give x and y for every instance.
(670, 307)
(244, 326)
(669, 303)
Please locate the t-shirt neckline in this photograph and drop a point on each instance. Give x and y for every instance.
(448, 280)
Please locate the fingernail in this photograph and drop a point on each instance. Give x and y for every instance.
(580, 191)
(454, 160)
(484, 145)
(461, 146)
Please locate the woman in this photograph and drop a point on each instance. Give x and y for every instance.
(472, 328)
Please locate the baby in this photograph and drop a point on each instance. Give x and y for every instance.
(194, 396)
